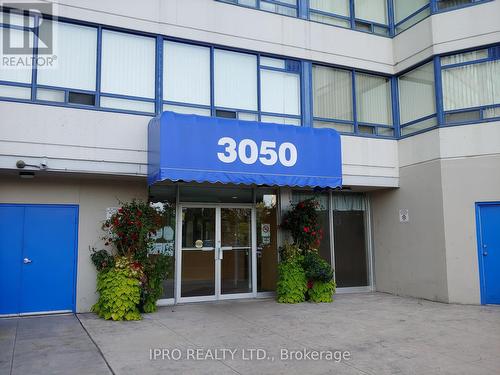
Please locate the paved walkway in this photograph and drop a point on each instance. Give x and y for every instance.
(376, 334)
(52, 345)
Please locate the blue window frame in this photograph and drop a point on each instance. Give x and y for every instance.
(353, 14)
(17, 83)
(284, 90)
(409, 12)
(416, 99)
(352, 102)
(399, 15)
(446, 5)
(271, 85)
(80, 94)
(466, 88)
(283, 7)
(470, 86)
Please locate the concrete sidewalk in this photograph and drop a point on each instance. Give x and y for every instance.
(55, 344)
(382, 334)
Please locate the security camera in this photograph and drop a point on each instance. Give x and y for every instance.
(20, 164)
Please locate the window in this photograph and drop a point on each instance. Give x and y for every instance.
(417, 104)
(128, 69)
(19, 76)
(373, 14)
(186, 75)
(448, 4)
(370, 15)
(333, 102)
(76, 50)
(280, 87)
(332, 98)
(373, 100)
(333, 12)
(285, 7)
(471, 88)
(408, 12)
(235, 76)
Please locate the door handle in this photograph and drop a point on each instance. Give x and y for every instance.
(27, 260)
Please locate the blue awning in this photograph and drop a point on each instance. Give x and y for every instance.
(208, 149)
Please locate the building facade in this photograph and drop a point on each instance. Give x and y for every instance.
(412, 87)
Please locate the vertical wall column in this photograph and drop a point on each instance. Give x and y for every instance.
(159, 75)
(306, 94)
(303, 9)
(438, 87)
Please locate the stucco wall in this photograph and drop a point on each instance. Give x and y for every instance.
(410, 258)
(470, 173)
(443, 173)
(99, 142)
(465, 182)
(92, 196)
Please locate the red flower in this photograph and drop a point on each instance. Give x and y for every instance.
(310, 284)
(306, 229)
(120, 210)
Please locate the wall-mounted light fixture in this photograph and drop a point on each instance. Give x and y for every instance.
(20, 164)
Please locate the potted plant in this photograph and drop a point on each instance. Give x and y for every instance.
(303, 274)
(130, 278)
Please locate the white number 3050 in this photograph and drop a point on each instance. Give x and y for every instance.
(248, 152)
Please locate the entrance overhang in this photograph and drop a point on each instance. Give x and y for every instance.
(207, 149)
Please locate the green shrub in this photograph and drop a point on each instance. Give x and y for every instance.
(119, 294)
(289, 251)
(156, 269)
(292, 282)
(316, 268)
(322, 291)
(102, 260)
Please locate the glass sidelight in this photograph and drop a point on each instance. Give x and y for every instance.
(236, 250)
(267, 240)
(351, 264)
(350, 235)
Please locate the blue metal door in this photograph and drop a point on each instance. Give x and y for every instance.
(11, 248)
(488, 223)
(37, 258)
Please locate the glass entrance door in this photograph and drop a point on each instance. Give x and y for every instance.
(198, 253)
(216, 253)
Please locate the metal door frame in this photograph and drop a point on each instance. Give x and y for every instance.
(217, 259)
(479, 242)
